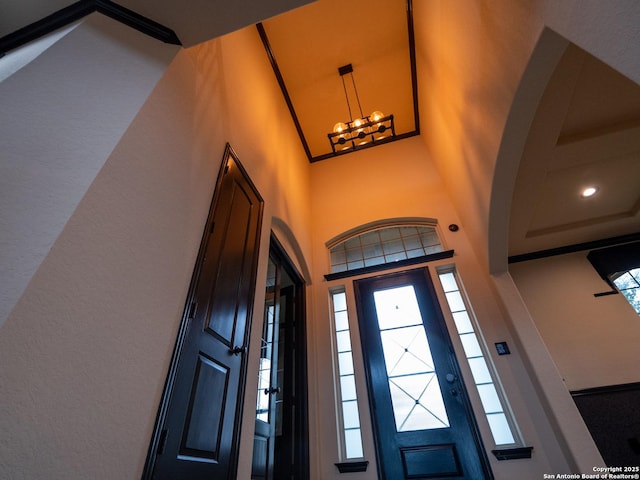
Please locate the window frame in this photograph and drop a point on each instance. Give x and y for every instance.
(342, 430)
(518, 440)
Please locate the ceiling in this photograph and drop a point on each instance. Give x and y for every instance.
(309, 44)
(586, 131)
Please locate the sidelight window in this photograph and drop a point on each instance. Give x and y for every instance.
(491, 397)
(348, 414)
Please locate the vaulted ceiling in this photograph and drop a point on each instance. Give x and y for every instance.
(586, 131)
(308, 45)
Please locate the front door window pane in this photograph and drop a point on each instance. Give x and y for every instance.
(415, 392)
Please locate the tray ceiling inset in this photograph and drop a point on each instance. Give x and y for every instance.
(308, 45)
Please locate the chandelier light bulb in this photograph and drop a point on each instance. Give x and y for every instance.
(376, 116)
(339, 127)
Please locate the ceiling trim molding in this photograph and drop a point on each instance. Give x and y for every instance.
(578, 247)
(414, 68)
(283, 87)
(79, 10)
(287, 98)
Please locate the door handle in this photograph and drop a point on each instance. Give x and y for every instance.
(451, 378)
(271, 390)
(237, 350)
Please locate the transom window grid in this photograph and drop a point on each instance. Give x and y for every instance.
(348, 414)
(384, 245)
(500, 423)
(628, 284)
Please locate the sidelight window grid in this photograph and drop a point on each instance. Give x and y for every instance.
(384, 245)
(350, 434)
(501, 423)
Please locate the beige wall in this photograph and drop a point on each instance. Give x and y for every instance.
(593, 340)
(484, 65)
(400, 180)
(471, 59)
(84, 86)
(84, 354)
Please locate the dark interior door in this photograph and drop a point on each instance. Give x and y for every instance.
(280, 449)
(423, 423)
(197, 432)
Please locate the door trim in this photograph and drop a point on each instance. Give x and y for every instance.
(471, 416)
(157, 437)
(301, 442)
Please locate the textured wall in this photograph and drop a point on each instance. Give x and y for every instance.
(85, 352)
(61, 116)
(593, 340)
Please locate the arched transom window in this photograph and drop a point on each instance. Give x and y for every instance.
(382, 245)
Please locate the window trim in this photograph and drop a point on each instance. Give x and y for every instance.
(380, 224)
(338, 374)
(389, 266)
(503, 451)
(611, 260)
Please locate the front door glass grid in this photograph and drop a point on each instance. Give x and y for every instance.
(415, 392)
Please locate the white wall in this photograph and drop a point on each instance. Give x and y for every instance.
(202, 21)
(85, 352)
(471, 56)
(593, 340)
(475, 117)
(401, 180)
(62, 115)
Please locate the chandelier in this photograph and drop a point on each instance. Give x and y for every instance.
(362, 131)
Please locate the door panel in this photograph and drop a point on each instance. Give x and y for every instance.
(206, 410)
(423, 422)
(197, 430)
(227, 262)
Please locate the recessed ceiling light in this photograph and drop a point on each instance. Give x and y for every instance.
(589, 192)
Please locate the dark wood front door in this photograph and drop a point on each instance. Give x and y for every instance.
(423, 423)
(197, 431)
